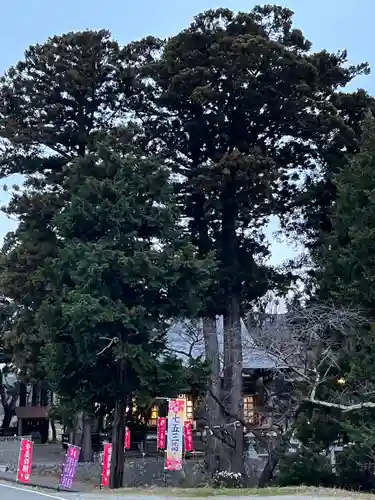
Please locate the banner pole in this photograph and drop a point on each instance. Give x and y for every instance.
(165, 470)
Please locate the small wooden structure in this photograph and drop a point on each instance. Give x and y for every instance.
(33, 420)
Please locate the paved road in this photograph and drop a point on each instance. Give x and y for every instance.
(12, 492)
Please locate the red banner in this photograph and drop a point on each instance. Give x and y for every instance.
(162, 429)
(127, 438)
(107, 455)
(25, 461)
(188, 436)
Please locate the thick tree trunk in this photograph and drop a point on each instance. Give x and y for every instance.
(8, 415)
(232, 383)
(9, 405)
(77, 437)
(213, 415)
(87, 453)
(43, 397)
(116, 479)
(82, 436)
(23, 394)
(35, 397)
(118, 440)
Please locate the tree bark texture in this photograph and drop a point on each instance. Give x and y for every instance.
(87, 454)
(274, 456)
(214, 449)
(232, 342)
(118, 440)
(118, 434)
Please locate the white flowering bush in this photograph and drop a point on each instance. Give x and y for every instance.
(226, 479)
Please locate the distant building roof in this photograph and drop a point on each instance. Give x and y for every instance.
(186, 339)
(32, 412)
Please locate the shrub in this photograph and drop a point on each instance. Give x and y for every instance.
(355, 468)
(306, 467)
(226, 479)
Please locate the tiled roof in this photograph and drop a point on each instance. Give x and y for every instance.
(186, 338)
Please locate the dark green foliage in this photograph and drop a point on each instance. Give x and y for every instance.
(52, 106)
(232, 87)
(347, 260)
(307, 468)
(56, 100)
(318, 191)
(355, 465)
(123, 269)
(311, 464)
(344, 261)
(100, 260)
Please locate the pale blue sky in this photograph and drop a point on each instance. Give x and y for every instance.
(329, 24)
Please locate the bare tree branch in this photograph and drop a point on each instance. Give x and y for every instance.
(109, 345)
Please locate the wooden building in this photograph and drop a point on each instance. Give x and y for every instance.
(259, 368)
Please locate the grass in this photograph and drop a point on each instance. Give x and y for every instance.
(211, 492)
(238, 493)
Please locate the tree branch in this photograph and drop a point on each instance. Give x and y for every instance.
(112, 341)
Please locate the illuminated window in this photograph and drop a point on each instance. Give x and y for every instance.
(154, 416)
(248, 406)
(189, 407)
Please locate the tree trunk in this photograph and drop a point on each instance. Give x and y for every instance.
(118, 440)
(87, 453)
(233, 382)
(232, 342)
(9, 405)
(8, 415)
(43, 397)
(273, 458)
(35, 397)
(71, 433)
(116, 479)
(77, 437)
(23, 394)
(214, 449)
(53, 428)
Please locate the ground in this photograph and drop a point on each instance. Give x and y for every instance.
(10, 492)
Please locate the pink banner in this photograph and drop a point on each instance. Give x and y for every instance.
(176, 410)
(107, 455)
(162, 429)
(25, 461)
(188, 435)
(127, 438)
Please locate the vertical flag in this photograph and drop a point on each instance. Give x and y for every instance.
(70, 466)
(176, 410)
(107, 455)
(162, 428)
(188, 435)
(127, 438)
(25, 461)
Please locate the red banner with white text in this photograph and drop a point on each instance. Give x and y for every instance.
(25, 461)
(107, 455)
(188, 436)
(162, 429)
